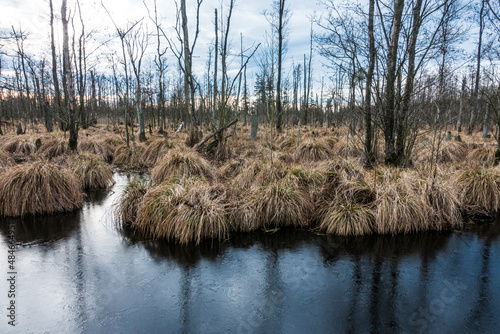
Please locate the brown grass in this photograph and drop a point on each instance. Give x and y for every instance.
(54, 147)
(156, 150)
(479, 189)
(185, 212)
(400, 208)
(20, 146)
(5, 159)
(481, 157)
(128, 205)
(353, 150)
(102, 148)
(129, 157)
(346, 218)
(445, 204)
(450, 152)
(282, 203)
(92, 172)
(38, 188)
(259, 172)
(182, 163)
(230, 169)
(313, 150)
(287, 144)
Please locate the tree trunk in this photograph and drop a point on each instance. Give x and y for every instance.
(369, 158)
(461, 109)
(389, 101)
(57, 91)
(69, 90)
(254, 125)
(279, 107)
(216, 61)
(478, 69)
(402, 129)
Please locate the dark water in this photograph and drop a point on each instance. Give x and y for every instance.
(78, 273)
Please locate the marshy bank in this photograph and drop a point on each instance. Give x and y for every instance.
(315, 181)
(78, 273)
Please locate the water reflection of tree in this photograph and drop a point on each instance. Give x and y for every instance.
(378, 287)
(489, 233)
(380, 273)
(385, 247)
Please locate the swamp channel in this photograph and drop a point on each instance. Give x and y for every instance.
(78, 273)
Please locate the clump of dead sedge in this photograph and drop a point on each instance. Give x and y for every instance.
(184, 210)
(281, 203)
(479, 189)
(102, 148)
(129, 157)
(38, 188)
(181, 163)
(92, 172)
(128, 205)
(481, 157)
(156, 150)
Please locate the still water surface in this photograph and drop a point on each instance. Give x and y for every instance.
(78, 273)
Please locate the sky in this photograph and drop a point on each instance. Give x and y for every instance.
(33, 17)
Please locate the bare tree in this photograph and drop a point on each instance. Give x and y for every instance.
(68, 84)
(369, 157)
(137, 43)
(161, 67)
(279, 20)
(475, 93)
(122, 34)
(60, 111)
(390, 97)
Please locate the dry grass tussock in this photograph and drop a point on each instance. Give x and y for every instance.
(5, 159)
(156, 150)
(21, 146)
(126, 208)
(184, 211)
(103, 148)
(450, 152)
(347, 218)
(287, 144)
(479, 189)
(348, 149)
(231, 168)
(281, 203)
(400, 206)
(92, 172)
(182, 163)
(338, 170)
(54, 147)
(481, 157)
(38, 188)
(312, 150)
(349, 210)
(260, 172)
(129, 157)
(445, 204)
